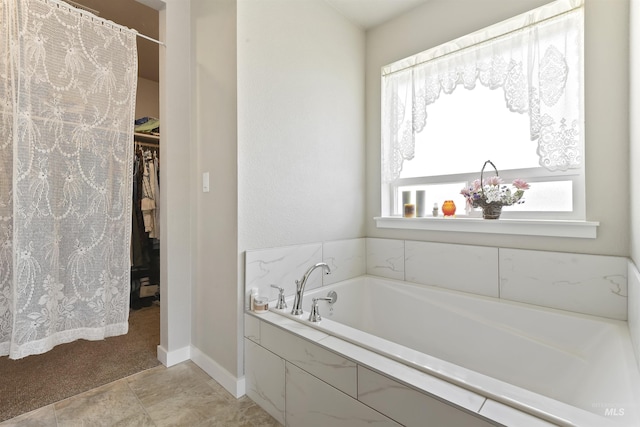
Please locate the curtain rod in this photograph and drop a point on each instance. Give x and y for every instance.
(81, 8)
(465, 42)
(150, 39)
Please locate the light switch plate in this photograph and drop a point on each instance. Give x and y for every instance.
(205, 182)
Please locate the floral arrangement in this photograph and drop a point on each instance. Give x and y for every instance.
(492, 191)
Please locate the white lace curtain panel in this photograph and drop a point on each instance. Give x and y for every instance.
(538, 67)
(67, 98)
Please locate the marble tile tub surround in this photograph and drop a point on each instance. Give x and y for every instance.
(463, 268)
(588, 284)
(392, 389)
(634, 308)
(284, 265)
(281, 267)
(385, 258)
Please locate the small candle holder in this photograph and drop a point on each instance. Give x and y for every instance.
(409, 210)
(448, 208)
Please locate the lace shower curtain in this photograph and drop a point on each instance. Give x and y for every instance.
(67, 99)
(538, 67)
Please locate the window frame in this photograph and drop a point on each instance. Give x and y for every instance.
(390, 191)
(531, 175)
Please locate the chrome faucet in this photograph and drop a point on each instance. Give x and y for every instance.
(300, 284)
(331, 298)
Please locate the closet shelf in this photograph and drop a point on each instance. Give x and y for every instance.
(146, 137)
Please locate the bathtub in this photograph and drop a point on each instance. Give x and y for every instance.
(562, 367)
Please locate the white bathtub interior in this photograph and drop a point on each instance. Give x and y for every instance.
(583, 361)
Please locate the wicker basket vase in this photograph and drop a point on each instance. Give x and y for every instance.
(491, 210)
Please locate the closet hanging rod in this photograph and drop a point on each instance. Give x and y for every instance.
(148, 144)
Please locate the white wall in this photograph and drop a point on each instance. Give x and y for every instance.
(175, 219)
(300, 118)
(300, 124)
(300, 142)
(147, 98)
(606, 111)
(295, 170)
(216, 329)
(634, 112)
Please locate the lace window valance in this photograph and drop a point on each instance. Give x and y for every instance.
(535, 59)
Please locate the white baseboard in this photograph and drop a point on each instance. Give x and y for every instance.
(170, 358)
(234, 385)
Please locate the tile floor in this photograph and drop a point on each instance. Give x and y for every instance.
(182, 395)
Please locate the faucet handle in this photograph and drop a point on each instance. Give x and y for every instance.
(282, 304)
(315, 310)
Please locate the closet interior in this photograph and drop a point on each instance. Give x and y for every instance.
(42, 379)
(145, 221)
(145, 239)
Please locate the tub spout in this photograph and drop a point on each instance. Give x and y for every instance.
(300, 284)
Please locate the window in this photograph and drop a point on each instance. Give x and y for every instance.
(512, 94)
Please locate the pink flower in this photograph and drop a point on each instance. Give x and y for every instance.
(520, 184)
(476, 185)
(494, 180)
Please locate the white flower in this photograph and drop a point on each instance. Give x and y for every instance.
(492, 193)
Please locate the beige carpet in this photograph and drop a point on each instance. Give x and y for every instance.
(73, 368)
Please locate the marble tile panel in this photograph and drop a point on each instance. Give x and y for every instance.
(324, 364)
(313, 403)
(252, 328)
(509, 416)
(408, 406)
(43, 417)
(634, 308)
(346, 258)
(264, 376)
(112, 404)
(289, 324)
(463, 268)
(419, 380)
(589, 284)
(281, 267)
(385, 258)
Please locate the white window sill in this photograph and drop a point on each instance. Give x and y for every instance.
(528, 227)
